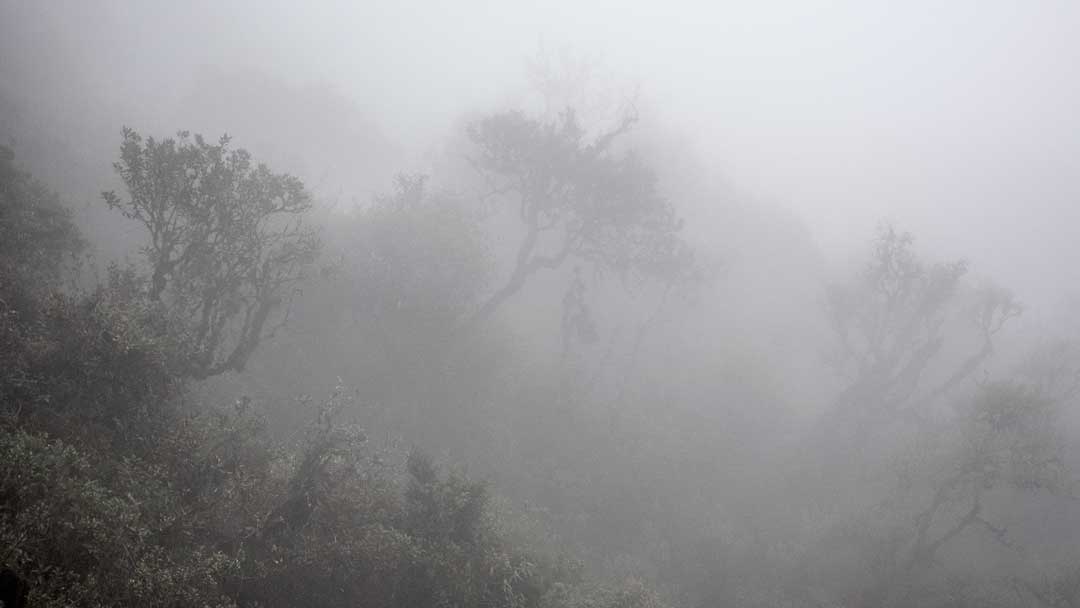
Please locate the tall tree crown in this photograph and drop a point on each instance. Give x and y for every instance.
(227, 240)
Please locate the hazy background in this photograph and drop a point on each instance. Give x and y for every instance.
(956, 119)
(680, 442)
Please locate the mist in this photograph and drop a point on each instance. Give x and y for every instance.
(564, 304)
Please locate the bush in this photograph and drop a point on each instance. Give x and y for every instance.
(76, 540)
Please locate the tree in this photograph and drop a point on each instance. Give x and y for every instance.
(910, 333)
(1004, 440)
(890, 325)
(37, 234)
(575, 197)
(228, 245)
(953, 488)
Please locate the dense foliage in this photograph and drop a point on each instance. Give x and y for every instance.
(216, 425)
(37, 234)
(119, 490)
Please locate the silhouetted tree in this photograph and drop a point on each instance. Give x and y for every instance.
(576, 197)
(227, 241)
(37, 234)
(890, 325)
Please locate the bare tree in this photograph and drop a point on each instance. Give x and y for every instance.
(228, 245)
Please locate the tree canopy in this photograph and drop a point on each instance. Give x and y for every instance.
(576, 196)
(37, 232)
(228, 243)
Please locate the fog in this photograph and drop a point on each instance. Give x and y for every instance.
(690, 304)
(956, 121)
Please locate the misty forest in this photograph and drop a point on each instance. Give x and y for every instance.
(555, 305)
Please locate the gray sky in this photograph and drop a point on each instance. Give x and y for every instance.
(955, 119)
